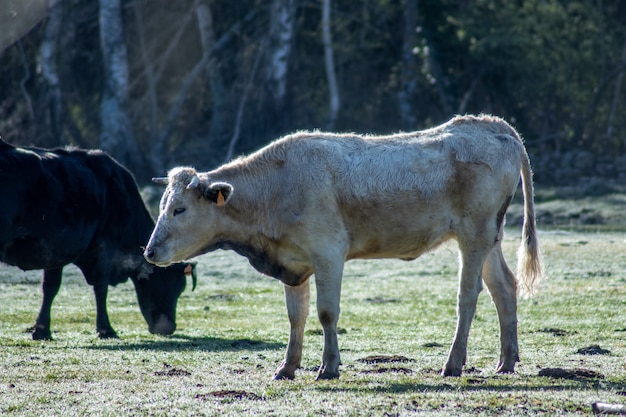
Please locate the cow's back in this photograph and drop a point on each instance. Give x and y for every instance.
(62, 203)
(34, 215)
(396, 195)
(124, 216)
(365, 167)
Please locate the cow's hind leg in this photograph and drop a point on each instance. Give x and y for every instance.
(503, 288)
(50, 287)
(297, 300)
(472, 258)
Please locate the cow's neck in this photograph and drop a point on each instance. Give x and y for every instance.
(253, 207)
(254, 229)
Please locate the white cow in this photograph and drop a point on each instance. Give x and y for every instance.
(310, 201)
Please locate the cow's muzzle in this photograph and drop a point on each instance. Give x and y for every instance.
(163, 326)
(150, 255)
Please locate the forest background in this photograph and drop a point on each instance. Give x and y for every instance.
(160, 83)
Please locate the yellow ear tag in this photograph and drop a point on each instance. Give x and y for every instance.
(220, 198)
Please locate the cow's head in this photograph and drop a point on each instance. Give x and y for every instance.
(158, 291)
(190, 216)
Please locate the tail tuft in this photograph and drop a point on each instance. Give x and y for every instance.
(529, 268)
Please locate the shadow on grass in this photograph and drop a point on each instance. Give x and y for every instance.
(187, 343)
(524, 384)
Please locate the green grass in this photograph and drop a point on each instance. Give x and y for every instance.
(233, 329)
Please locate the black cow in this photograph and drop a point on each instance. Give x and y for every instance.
(72, 206)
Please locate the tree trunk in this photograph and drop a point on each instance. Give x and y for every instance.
(281, 32)
(49, 73)
(436, 76)
(616, 95)
(219, 93)
(151, 80)
(116, 135)
(409, 71)
(330, 67)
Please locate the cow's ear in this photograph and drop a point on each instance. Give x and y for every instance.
(190, 269)
(219, 193)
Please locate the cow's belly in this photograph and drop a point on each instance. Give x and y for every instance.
(29, 254)
(404, 232)
(408, 245)
(39, 252)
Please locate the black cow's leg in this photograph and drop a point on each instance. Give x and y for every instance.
(50, 287)
(103, 326)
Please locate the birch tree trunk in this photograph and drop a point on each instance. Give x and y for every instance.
(49, 73)
(116, 135)
(282, 23)
(330, 67)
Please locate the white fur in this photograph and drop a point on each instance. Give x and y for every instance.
(308, 202)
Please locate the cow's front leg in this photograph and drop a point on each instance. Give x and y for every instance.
(50, 286)
(328, 276)
(297, 300)
(103, 325)
(470, 286)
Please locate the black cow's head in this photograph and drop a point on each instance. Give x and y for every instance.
(158, 294)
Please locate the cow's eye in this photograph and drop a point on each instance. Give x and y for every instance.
(178, 211)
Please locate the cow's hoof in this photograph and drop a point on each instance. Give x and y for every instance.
(41, 334)
(284, 376)
(451, 372)
(502, 369)
(107, 334)
(325, 375)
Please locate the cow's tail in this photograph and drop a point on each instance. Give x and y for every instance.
(529, 268)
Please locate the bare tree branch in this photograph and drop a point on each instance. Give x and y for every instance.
(219, 93)
(183, 92)
(235, 137)
(29, 102)
(470, 92)
(159, 63)
(151, 80)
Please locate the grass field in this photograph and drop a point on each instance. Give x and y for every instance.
(233, 329)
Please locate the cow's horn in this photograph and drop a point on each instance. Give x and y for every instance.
(194, 182)
(160, 180)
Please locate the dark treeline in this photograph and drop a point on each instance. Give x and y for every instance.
(160, 83)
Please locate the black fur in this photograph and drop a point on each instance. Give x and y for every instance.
(75, 206)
